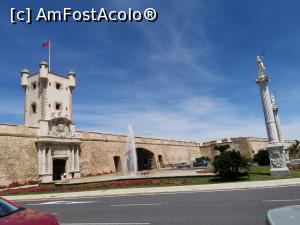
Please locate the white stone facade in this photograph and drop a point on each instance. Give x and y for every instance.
(48, 106)
(47, 95)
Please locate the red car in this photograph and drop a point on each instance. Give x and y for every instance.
(13, 214)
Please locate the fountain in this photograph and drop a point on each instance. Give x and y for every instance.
(130, 166)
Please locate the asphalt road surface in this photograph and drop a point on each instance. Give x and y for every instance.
(242, 207)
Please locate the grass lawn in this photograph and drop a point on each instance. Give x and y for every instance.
(258, 173)
(263, 173)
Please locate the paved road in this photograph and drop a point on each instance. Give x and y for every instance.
(242, 207)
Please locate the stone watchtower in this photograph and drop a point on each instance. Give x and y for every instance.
(47, 95)
(48, 106)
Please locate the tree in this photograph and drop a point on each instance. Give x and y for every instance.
(221, 148)
(231, 165)
(206, 158)
(262, 157)
(294, 149)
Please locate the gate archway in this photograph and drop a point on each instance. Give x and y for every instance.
(59, 168)
(145, 159)
(117, 162)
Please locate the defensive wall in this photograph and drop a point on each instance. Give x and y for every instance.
(104, 153)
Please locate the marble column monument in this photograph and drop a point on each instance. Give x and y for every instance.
(278, 126)
(276, 117)
(275, 147)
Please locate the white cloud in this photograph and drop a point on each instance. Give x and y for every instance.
(190, 119)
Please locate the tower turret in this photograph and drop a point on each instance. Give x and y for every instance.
(24, 78)
(72, 79)
(43, 70)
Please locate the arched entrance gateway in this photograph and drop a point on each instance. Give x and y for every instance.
(145, 159)
(117, 162)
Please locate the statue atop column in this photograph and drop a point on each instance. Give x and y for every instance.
(275, 146)
(260, 66)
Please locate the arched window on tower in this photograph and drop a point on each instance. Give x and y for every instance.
(33, 108)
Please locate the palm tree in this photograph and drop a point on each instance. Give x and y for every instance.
(294, 149)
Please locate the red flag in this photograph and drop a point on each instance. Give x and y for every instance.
(46, 44)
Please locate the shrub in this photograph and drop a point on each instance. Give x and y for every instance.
(231, 165)
(262, 157)
(15, 184)
(95, 186)
(206, 158)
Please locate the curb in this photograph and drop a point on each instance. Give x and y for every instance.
(162, 190)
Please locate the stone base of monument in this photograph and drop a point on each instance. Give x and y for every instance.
(280, 171)
(277, 160)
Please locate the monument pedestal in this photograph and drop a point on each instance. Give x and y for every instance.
(277, 160)
(276, 172)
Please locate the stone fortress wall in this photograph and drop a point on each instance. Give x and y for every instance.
(98, 151)
(19, 153)
(248, 146)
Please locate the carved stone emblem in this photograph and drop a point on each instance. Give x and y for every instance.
(61, 127)
(277, 163)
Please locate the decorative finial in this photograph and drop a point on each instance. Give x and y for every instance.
(260, 66)
(43, 63)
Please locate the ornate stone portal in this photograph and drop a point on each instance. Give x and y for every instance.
(48, 106)
(275, 147)
(58, 155)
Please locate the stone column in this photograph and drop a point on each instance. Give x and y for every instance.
(277, 122)
(262, 81)
(40, 160)
(278, 126)
(49, 161)
(73, 159)
(43, 160)
(77, 159)
(68, 167)
(275, 147)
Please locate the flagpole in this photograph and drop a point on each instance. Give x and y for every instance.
(49, 55)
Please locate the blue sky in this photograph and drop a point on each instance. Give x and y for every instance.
(190, 75)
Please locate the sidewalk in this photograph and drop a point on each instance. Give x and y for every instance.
(156, 190)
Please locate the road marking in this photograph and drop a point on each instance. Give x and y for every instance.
(137, 204)
(282, 200)
(105, 223)
(62, 203)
